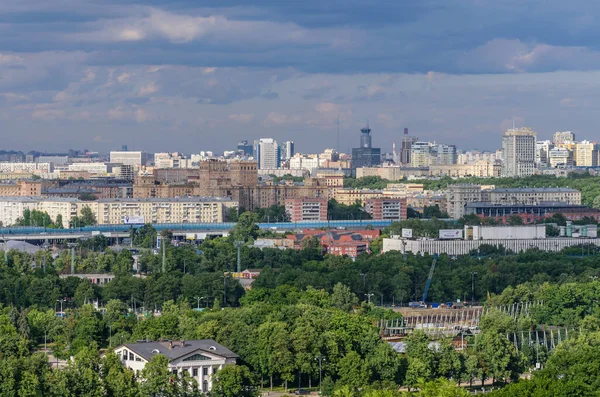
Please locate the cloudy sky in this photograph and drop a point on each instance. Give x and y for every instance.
(168, 75)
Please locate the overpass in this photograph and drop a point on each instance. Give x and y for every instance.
(202, 230)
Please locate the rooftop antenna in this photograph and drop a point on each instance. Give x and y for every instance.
(513, 123)
(338, 133)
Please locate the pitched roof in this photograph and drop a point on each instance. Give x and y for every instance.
(149, 349)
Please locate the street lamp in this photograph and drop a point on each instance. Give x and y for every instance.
(369, 297)
(364, 277)
(198, 300)
(61, 304)
(320, 359)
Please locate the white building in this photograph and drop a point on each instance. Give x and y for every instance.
(201, 359)
(135, 159)
(542, 153)
(267, 153)
(92, 168)
(26, 167)
(560, 157)
(421, 154)
(309, 162)
(518, 152)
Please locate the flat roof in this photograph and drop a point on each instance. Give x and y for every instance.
(553, 204)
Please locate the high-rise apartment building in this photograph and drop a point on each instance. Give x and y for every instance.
(421, 154)
(287, 150)
(365, 155)
(446, 154)
(405, 150)
(518, 152)
(267, 153)
(563, 137)
(586, 154)
(306, 209)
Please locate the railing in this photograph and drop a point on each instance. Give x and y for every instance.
(198, 226)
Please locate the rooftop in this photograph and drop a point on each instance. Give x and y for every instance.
(174, 349)
(553, 204)
(535, 190)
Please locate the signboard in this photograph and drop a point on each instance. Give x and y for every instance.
(190, 236)
(447, 234)
(406, 233)
(158, 241)
(133, 220)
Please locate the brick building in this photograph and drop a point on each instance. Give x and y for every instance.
(383, 208)
(306, 209)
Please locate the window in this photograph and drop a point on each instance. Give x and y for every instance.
(130, 356)
(196, 357)
(195, 372)
(205, 386)
(204, 371)
(174, 372)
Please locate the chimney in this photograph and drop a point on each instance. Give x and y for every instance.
(183, 343)
(170, 344)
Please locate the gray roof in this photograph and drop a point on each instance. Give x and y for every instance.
(146, 349)
(534, 190)
(554, 204)
(21, 246)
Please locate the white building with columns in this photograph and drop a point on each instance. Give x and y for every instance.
(201, 359)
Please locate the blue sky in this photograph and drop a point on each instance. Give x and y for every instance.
(190, 76)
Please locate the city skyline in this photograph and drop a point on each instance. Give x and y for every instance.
(172, 74)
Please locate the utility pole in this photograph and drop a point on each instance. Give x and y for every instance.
(320, 358)
(364, 277)
(224, 291)
(238, 245)
(45, 246)
(473, 274)
(162, 244)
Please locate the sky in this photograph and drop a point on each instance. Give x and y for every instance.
(187, 76)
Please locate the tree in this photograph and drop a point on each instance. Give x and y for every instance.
(434, 211)
(343, 298)
(515, 220)
(87, 216)
(499, 355)
(246, 227)
(59, 222)
(310, 243)
(234, 381)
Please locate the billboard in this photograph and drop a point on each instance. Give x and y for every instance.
(407, 233)
(133, 220)
(190, 236)
(158, 241)
(447, 234)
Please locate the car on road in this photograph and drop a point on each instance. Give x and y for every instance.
(301, 392)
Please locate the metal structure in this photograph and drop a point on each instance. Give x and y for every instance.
(428, 283)
(72, 246)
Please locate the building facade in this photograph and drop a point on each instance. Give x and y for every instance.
(518, 152)
(384, 208)
(306, 209)
(199, 359)
(268, 153)
(134, 159)
(365, 155)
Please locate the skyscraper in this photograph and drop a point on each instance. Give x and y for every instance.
(365, 155)
(243, 146)
(287, 150)
(266, 151)
(518, 152)
(407, 142)
(446, 154)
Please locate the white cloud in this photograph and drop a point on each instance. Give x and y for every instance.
(48, 114)
(243, 118)
(124, 77)
(279, 119)
(148, 89)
